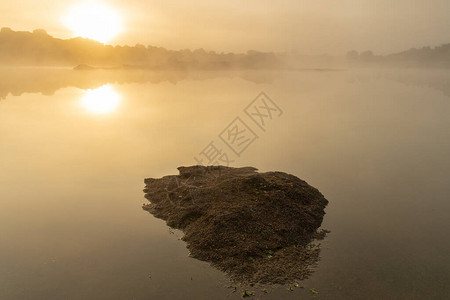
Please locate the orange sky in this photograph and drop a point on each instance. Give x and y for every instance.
(309, 26)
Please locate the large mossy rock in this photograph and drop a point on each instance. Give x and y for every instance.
(257, 227)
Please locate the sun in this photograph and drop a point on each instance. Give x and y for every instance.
(94, 20)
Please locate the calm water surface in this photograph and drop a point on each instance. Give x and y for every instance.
(72, 164)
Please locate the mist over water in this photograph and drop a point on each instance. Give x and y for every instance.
(350, 96)
(375, 142)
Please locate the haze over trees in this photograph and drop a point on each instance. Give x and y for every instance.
(425, 57)
(38, 48)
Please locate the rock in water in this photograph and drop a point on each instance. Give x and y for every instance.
(257, 227)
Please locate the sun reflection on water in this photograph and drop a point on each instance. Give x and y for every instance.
(101, 100)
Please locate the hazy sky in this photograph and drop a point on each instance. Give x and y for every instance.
(309, 26)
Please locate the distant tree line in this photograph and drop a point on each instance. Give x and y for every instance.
(39, 48)
(425, 57)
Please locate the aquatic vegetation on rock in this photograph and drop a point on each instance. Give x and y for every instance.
(262, 237)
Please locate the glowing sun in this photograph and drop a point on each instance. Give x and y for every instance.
(94, 20)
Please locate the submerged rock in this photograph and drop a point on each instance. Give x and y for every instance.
(257, 227)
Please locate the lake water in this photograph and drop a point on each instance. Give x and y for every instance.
(375, 143)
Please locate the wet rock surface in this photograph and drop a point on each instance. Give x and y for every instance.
(256, 227)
